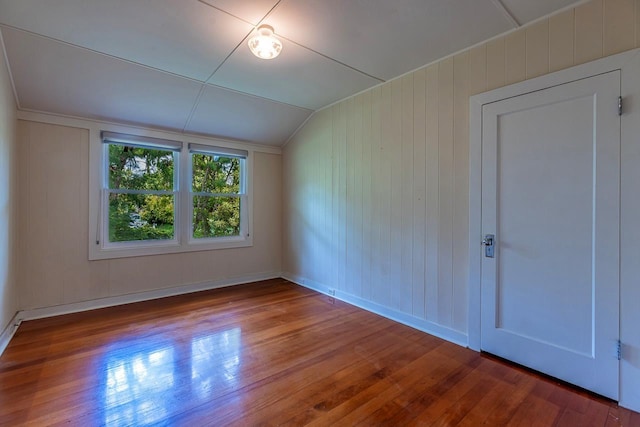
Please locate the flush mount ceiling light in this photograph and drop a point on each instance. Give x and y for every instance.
(264, 44)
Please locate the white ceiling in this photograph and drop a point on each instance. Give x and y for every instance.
(184, 64)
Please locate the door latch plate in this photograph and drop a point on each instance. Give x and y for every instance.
(489, 245)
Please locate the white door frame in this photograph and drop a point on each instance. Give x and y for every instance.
(629, 64)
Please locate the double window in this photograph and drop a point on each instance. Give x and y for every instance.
(161, 196)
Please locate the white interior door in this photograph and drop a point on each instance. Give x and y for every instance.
(550, 195)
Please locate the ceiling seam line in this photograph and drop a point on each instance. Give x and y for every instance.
(225, 12)
(227, 57)
(11, 80)
(269, 12)
(108, 55)
(196, 103)
(507, 14)
(334, 60)
(251, 95)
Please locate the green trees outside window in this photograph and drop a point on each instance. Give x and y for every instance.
(216, 190)
(141, 193)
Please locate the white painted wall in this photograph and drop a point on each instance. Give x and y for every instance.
(8, 287)
(377, 186)
(53, 225)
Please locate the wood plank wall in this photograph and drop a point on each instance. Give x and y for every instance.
(376, 186)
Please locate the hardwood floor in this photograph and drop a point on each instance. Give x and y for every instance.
(269, 353)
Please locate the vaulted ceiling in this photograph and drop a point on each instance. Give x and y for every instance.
(184, 65)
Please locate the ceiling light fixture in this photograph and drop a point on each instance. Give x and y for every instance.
(264, 44)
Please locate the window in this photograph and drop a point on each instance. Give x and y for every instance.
(141, 191)
(161, 196)
(217, 192)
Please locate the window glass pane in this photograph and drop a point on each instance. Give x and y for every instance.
(140, 217)
(216, 216)
(215, 174)
(137, 168)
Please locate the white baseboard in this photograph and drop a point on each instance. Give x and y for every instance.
(406, 319)
(398, 316)
(9, 331)
(39, 313)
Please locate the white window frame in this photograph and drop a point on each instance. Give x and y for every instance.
(99, 245)
(152, 143)
(242, 195)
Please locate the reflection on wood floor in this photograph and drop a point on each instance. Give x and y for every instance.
(269, 353)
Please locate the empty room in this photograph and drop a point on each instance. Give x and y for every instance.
(319, 212)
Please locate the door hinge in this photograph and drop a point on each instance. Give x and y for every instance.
(619, 105)
(619, 349)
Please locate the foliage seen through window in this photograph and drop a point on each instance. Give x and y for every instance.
(141, 199)
(216, 190)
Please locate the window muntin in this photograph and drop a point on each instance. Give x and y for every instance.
(140, 193)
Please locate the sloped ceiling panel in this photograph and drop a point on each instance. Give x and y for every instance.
(55, 77)
(147, 61)
(387, 38)
(298, 76)
(226, 114)
(188, 38)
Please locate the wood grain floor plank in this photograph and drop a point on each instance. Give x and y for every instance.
(269, 353)
(368, 361)
(535, 412)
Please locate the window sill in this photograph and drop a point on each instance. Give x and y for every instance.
(97, 252)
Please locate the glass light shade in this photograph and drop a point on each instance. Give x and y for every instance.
(264, 44)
